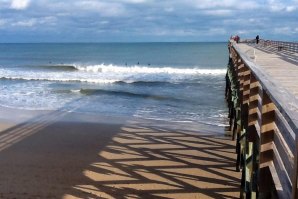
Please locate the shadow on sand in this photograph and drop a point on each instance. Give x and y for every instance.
(148, 162)
(47, 158)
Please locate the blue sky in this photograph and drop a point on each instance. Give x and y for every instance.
(146, 20)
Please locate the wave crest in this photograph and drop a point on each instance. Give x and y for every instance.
(102, 68)
(112, 74)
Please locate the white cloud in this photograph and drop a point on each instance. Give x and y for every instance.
(217, 31)
(290, 8)
(219, 4)
(134, 1)
(285, 30)
(47, 21)
(169, 9)
(2, 22)
(25, 23)
(278, 6)
(104, 8)
(104, 22)
(220, 12)
(207, 4)
(19, 4)
(242, 32)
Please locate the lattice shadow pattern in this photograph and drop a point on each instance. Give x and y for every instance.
(146, 162)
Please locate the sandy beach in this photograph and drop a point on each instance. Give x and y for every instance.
(67, 155)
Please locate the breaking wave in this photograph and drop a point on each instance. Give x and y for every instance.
(148, 70)
(110, 74)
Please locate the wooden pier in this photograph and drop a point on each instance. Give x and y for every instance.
(262, 91)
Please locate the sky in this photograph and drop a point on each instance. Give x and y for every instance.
(146, 20)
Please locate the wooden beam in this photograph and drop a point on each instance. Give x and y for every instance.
(281, 178)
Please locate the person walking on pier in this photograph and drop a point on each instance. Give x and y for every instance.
(257, 39)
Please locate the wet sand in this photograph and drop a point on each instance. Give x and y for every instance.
(67, 155)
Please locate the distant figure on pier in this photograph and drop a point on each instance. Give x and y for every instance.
(237, 39)
(257, 39)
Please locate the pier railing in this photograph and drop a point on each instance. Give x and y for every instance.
(280, 45)
(276, 46)
(264, 119)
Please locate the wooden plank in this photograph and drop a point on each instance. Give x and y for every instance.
(278, 185)
(259, 110)
(286, 155)
(283, 177)
(254, 96)
(287, 133)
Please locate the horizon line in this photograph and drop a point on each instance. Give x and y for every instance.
(94, 42)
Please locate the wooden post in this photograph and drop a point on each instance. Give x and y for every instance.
(250, 113)
(245, 97)
(246, 84)
(266, 140)
(253, 130)
(253, 109)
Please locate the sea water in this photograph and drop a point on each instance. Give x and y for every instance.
(174, 82)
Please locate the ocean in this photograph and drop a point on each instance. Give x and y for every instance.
(173, 82)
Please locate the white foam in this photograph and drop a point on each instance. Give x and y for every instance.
(148, 70)
(110, 73)
(75, 90)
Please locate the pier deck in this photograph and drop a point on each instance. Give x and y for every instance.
(277, 66)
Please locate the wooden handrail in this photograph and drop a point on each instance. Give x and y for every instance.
(276, 45)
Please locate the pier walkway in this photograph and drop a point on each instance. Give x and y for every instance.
(279, 67)
(262, 93)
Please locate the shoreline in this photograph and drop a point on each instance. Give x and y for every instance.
(13, 116)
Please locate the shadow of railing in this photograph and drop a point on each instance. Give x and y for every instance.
(141, 162)
(25, 129)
